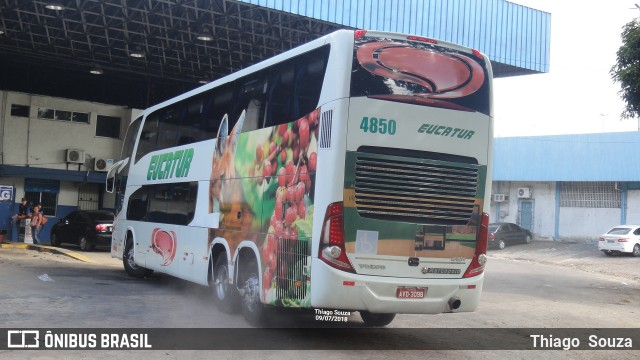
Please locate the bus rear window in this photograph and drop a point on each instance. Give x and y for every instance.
(419, 73)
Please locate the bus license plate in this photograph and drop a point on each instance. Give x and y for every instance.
(410, 293)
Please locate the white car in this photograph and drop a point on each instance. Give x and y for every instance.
(621, 239)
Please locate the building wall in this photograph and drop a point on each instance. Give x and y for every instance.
(586, 223)
(575, 223)
(633, 207)
(42, 143)
(542, 197)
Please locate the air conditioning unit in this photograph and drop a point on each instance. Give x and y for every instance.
(75, 156)
(500, 197)
(524, 193)
(100, 164)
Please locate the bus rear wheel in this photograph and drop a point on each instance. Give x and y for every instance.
(375, 319)
(252, 308)
(130, 265)
(224, 293)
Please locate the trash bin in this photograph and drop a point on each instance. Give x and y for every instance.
(3, 232)
(25, 231)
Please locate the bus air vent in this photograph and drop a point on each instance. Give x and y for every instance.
(415, 190)
(325, 129)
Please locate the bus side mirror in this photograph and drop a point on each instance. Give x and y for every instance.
(110, 184)
(111, 175)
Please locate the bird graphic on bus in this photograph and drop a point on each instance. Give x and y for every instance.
(164, 243)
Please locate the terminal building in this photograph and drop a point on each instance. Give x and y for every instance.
(75, 73)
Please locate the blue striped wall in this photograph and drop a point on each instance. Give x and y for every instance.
(508, 33)
(578, 157)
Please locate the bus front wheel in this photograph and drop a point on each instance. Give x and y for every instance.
(130, 265)
(374, 319)
(252, 308)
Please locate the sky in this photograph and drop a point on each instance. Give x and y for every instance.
(577, 95)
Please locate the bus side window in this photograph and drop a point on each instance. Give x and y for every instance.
(250, 98)
(138, 204)
(148, 136)
(280, 96)
(295, 87)
(170, 120)
(218, 103)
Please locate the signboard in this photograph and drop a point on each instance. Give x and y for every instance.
(6, 193)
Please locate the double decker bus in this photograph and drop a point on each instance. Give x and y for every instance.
(350, 173)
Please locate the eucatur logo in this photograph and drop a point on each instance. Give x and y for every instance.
(164, 244)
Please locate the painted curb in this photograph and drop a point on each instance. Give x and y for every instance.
(48, 249)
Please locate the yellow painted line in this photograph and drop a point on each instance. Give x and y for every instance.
(49, 249)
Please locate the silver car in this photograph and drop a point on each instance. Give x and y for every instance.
(621, 239)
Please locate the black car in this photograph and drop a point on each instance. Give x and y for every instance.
(86, 228)
(503, 234)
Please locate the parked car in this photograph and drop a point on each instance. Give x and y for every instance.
(621, 239)
(503, 234)
(86, 228)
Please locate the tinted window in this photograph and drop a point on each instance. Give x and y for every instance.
(20, 110)
(164, 203)
(493, 228)
(108, 126)
(138, 203)
(619, 231)
(295, 86)
(148, 136)
(101, 216)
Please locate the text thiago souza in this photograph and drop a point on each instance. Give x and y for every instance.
(568, 343)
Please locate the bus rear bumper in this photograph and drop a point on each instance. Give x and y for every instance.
(339, 290)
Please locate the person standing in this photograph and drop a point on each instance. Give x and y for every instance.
(36, 224)
(24, 212)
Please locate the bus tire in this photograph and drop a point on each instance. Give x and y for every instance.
(224, 293)
(375, 319)
(252, 308)
(130, 266)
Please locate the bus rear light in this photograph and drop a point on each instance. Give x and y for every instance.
(480, 258)
(332, 250)
(421, 39)
(359, 33)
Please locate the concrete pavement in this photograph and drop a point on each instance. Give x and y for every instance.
(93, 257)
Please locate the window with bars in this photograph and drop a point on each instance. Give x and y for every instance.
(589, 195)
(64, 115)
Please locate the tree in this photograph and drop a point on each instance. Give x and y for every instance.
(626, 71)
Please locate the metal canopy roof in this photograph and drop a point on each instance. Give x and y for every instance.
(50, 52)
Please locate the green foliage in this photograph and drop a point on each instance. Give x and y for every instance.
(626, 71)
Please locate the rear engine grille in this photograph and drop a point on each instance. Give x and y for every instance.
(423, 192)
(292, 268)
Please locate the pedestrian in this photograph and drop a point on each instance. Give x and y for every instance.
(24, 212)
(36, 224)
